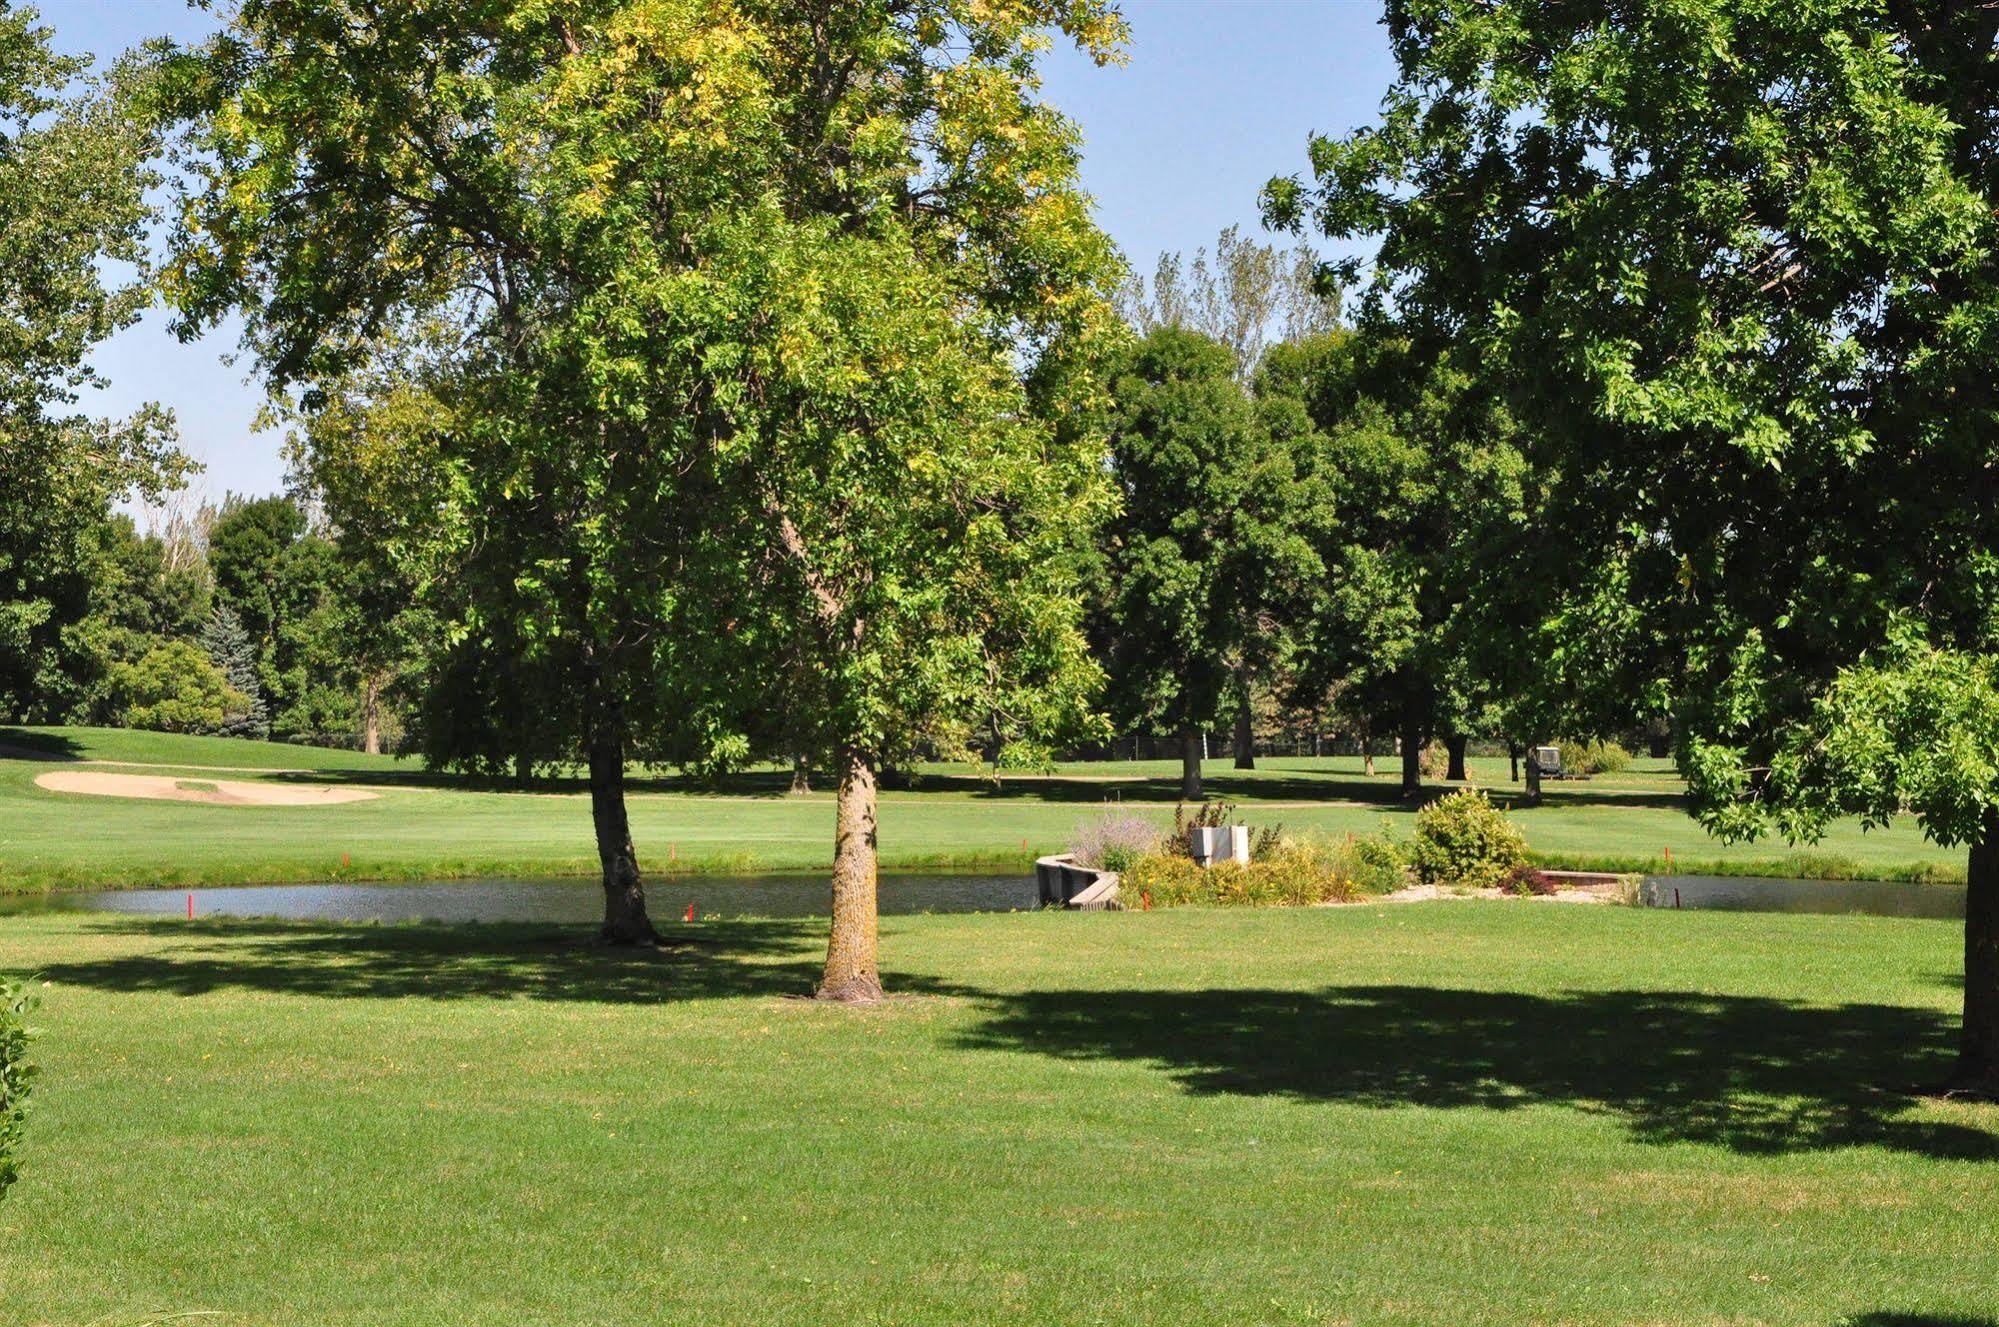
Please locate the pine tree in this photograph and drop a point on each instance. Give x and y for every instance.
(229, 646)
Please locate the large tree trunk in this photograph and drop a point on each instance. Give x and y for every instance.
(371, 716)
(523, 772)
(1533, 777)
(1245, 724)
(1412, 750)
(852, 974)
(1455, 744)
(1367, 750)
(1513, 758)
(1190, 767)
(1978, 1048)
(801, 775)
(625, 919)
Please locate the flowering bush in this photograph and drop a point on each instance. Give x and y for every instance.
(1113, 840)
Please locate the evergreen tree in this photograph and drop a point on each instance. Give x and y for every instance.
(229, 646)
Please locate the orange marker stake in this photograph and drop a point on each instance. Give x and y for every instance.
(690, 911)
(190, 907)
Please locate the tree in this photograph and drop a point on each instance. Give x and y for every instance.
(1409, 623)
(72, 182)
(926, 524)
(234, 655)
(176, 688)
(593, 234)
(1212, 549)
(1737, 268)
(1251, 294)
(249, 547)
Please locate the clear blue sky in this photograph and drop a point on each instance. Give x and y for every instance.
(1219, 95)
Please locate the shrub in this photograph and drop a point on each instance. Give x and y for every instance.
(1292, 872)
(1525, 879)
(1113, 840)
(1463, 839)
(1593, 756)
(176, 688)
(15, 1076)
(1375, 863)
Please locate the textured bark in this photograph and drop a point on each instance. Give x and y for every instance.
(1533, 778)
(1245, 730)
(371, 717)
(801, 776)
(1455, 744)
(1190, 768)
(1978, 1048)
(1412, 752)
(625, 919)
(852, 971)
(1513, 757)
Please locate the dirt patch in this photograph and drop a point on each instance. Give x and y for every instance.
(162, 788)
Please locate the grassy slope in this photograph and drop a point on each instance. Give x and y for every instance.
(1455, 1113)
(429, 828)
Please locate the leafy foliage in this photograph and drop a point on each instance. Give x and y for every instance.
(16, 1077)
(1297, 874)
(1463, 839)
(1914, 730)
(1734, 265)
(1593, 755)
(1212, 551)
(72, 210)
(177, 688)
(1292, 871)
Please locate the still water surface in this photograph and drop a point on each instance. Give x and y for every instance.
(1872, 898)
(581, 901)
(542, 900)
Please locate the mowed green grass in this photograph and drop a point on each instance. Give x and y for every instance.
(423, 826)
(1449, 1113)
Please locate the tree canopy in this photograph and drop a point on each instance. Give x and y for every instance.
(1735, 265)
(722, 306)
(74, 167)
(1211, 552)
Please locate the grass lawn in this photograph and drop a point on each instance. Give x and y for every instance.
(1448, 1113)
(424, 826)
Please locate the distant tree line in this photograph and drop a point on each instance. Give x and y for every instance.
(1325, 529)
(249, 619)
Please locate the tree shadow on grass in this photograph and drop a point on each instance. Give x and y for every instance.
(20, 744)
(1751, 1074)
(716, 960)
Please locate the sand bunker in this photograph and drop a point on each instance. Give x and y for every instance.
(162, 788)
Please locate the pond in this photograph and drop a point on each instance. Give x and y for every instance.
(541, 900)
(581, 901)
(1873, 898)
